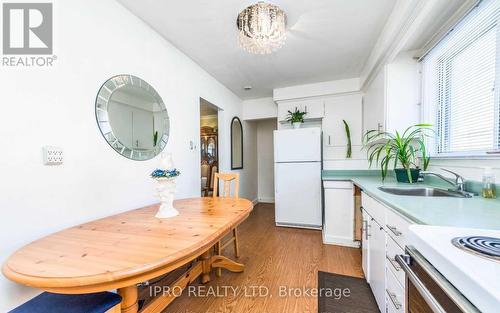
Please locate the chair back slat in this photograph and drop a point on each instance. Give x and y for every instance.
(213, 171)
(227, 179)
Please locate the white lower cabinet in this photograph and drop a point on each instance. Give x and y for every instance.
(384, 237)
(338, 228)
(365, 244)
(377, 263)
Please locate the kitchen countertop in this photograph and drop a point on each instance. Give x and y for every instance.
(473, 212)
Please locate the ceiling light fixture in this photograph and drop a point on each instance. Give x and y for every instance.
(262, 28)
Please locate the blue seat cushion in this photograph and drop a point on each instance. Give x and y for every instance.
(57, 303)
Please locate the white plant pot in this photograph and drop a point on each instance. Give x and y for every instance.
(165, 191)
(296, 125)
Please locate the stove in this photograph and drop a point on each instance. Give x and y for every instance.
(486, 247)
(469, 259)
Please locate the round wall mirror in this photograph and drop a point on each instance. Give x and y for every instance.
(132, 117)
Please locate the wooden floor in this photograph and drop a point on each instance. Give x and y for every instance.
(275, 257)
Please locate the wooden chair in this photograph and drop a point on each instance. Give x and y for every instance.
(226, 193)
(205, 173)
(213, 171)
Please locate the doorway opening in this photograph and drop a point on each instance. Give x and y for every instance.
(209, 145)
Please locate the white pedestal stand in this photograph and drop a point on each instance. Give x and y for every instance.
(166, 190)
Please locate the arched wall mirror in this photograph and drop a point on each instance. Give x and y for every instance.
(236, 144)
(132, 117)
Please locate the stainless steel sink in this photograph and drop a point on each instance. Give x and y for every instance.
(422, 192)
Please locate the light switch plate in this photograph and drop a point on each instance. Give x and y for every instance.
(53, 155)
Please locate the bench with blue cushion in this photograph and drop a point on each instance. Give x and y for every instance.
(58, 303)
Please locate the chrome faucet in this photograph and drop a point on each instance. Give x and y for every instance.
(458, 183)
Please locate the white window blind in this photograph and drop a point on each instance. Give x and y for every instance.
(459, 76)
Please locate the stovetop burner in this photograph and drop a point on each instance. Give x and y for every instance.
(487, 247)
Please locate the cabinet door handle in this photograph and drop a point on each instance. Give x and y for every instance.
(305, 108)
(393, 262)
(329, 140)
(394, 299)
(364, 228)
(394, 230)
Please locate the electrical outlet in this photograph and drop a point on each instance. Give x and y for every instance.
(52, 155)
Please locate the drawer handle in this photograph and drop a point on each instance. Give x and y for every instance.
(395, 264)
(366, 228)
(394, 299)
(394, 230)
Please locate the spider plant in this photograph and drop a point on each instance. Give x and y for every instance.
(404, 149)
(295, 116)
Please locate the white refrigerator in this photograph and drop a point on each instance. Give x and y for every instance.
(297, 177)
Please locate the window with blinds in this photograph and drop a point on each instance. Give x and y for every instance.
(459, 76)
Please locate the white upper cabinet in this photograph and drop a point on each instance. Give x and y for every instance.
(392, 99)
(314, 107)
(337, 109)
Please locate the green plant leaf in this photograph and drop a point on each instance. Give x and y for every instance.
(349, 144)
(295, 116)
(403, 148)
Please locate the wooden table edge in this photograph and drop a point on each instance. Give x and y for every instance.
(88, 284)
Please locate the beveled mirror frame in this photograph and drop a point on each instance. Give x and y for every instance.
(101, 112)
(233, 167)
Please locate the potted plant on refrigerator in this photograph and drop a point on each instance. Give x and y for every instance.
(406, 150)
(296, 118)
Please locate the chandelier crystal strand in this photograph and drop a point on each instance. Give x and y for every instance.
(262, 28)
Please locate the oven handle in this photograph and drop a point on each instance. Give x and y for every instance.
(424, 292)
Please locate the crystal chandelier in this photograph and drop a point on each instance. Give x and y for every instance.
(262, 28)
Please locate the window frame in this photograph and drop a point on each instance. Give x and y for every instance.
(431, 107)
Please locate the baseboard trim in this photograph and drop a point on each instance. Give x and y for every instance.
(340, 241)
(304, 226)
(266, 200)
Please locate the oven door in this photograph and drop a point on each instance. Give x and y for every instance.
(427, 290)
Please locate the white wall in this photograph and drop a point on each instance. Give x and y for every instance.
(265, 156)
(96, 39)
(260, 108)
(249, 183)
(471, 169)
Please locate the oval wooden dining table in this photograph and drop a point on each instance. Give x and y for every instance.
(122, 250)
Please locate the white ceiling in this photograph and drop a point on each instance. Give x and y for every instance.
(327, 39)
